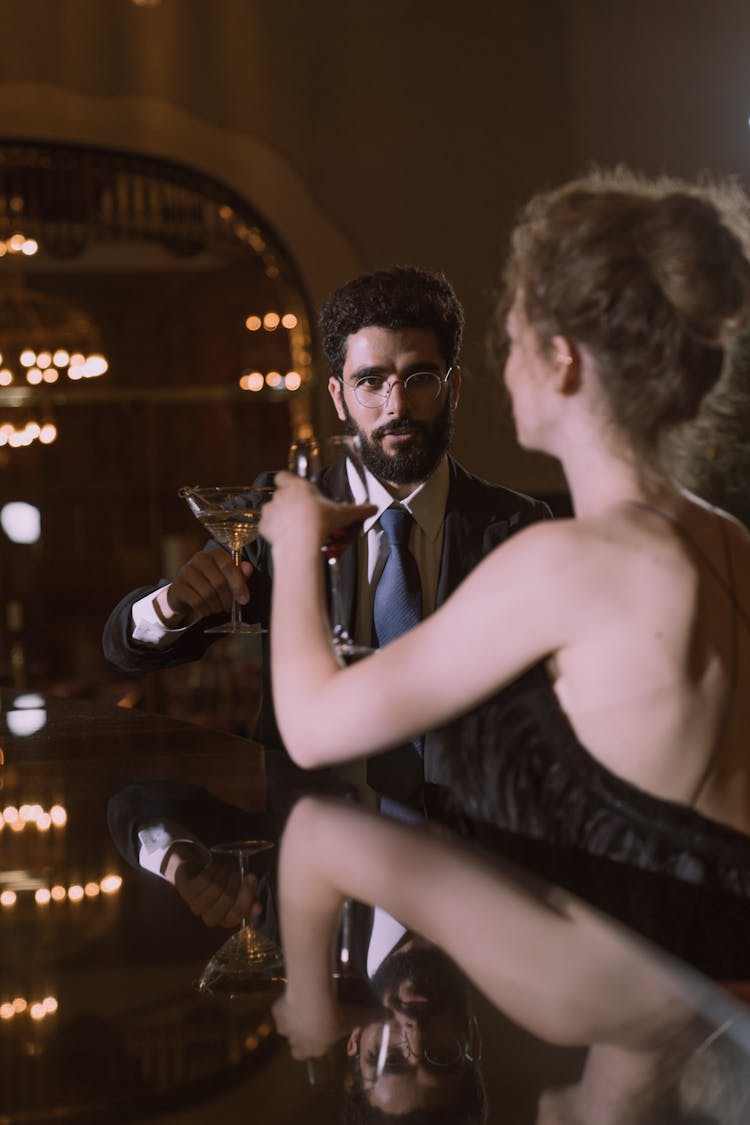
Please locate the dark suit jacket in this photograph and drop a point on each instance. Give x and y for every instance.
(478, 516)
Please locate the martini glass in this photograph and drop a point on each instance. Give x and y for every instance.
(230, 515)
(248, 961)
(305, 461)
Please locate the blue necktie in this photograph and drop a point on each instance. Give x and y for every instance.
(397, 607)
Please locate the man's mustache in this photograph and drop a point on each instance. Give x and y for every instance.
(396, 426)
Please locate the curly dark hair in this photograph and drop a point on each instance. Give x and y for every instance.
(395, 298)
(651, 277)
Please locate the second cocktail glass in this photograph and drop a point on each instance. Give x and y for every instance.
(231, 515)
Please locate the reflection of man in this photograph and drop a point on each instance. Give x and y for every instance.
(392, 340)
(421, 1063)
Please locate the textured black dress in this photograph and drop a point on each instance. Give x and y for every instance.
(525, 787)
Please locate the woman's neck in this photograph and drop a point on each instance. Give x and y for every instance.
(600, 477)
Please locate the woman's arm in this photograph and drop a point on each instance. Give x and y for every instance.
(513, 609)
(555, 968)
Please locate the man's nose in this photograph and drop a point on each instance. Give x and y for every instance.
(397, 400)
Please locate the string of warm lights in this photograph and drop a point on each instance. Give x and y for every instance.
(256, 380)
(18, 244)
(270, 321)
(33, 1009)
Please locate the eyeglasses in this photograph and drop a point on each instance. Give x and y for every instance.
(441, 1054)
(420, 388)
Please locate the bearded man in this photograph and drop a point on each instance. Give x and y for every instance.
(392, 340)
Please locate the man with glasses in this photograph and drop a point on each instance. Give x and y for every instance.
(392, 339)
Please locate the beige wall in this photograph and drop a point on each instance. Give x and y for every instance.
(403, 131)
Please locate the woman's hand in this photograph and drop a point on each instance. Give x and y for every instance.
(298, 513)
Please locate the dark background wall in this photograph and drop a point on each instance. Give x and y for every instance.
(403, 131)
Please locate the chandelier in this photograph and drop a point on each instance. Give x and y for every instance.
(43, 339)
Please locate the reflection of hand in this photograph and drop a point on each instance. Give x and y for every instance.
(215, 892)
(313, 1029)
(298, 510)
(206, 584)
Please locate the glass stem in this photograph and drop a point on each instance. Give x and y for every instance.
(242, 860)
(236, 607)
(338, 623)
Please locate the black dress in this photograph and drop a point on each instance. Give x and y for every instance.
(532, 793)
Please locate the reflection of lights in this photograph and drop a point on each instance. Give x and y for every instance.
(28, 699)
(31, 815)
(42, 896)
(273, 379)
(27, 358)
(7, 1011)
(24, 723)
(8, 898)
(50, 1004)
(61, 358)
(57, 893)
(271, 321)
(253, 323)
(289, 320)
(21, 522)
(48, 434)
(91, 890)
(110, 884)
(75, 893)
(19, 1004)
(292, 380)
(6, 377)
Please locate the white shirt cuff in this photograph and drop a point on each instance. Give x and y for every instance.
(158, 839)
(148, 627)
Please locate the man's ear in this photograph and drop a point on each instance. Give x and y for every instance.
(336, 391)
(454, 385)
(352, 1045)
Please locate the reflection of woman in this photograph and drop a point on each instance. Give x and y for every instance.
(623, 298)
(547, 962)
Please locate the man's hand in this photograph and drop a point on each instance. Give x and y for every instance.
(214, 892)
(206, 584)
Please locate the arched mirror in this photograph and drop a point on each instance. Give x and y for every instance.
(154, 333)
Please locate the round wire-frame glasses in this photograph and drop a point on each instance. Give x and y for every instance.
(373, 391)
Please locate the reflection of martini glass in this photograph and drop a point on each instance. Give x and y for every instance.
(249, 961)
(231, 516)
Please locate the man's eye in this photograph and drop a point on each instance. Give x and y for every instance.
(371, 382)
(421, 379)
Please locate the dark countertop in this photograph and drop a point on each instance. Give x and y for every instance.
(99, 1017)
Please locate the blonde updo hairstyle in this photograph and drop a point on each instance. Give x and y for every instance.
(650, 277)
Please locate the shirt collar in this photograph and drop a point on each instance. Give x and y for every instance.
(426, 503)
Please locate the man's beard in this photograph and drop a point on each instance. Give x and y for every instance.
(407, 466)
(432, 974)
